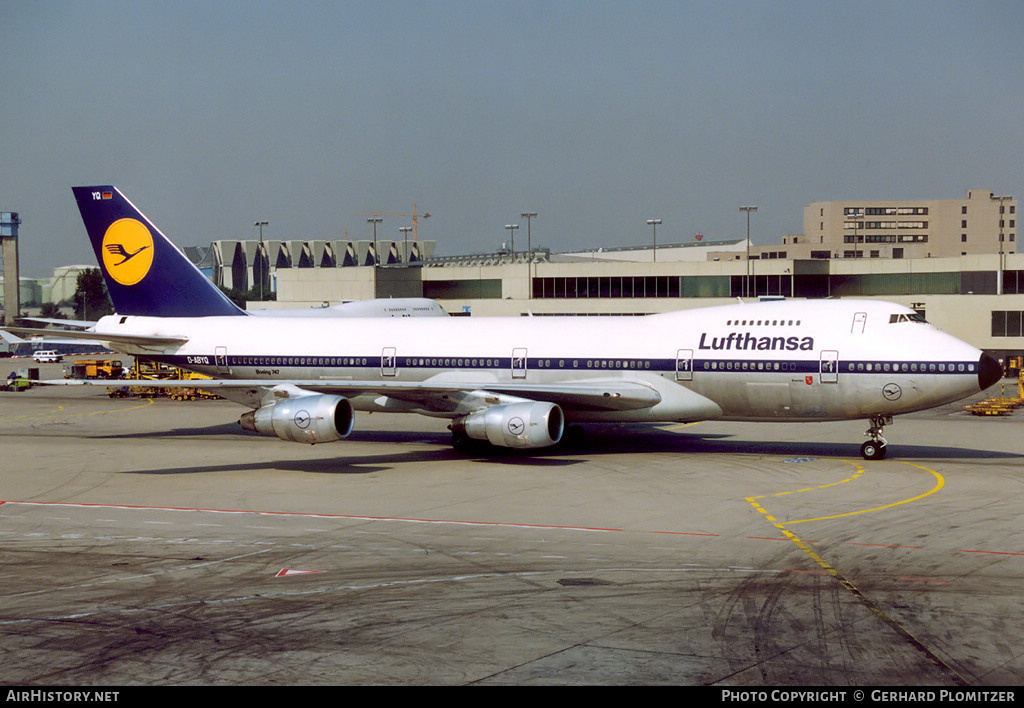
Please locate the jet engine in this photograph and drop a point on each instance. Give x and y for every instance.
(307, 419)
(520, 425)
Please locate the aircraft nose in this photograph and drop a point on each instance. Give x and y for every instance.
(989, 371)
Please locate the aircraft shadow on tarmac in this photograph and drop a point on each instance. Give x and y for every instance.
(610, 440)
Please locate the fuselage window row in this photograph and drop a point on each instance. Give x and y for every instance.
(933, 367)
(762, 323)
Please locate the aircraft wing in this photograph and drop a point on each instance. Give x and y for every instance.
(608, 395)
(440, 396)
(141, 340)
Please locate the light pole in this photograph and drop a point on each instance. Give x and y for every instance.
(746, 287)
(375, 220)
(405, 231)
(259, 253)
(653, 223)
(528, 215)
(512, 240)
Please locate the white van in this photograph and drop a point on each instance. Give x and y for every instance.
(44, 355)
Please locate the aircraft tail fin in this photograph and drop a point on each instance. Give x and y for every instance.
(145, 273)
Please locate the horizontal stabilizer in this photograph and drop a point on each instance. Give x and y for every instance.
(142, 340)
(81, 324)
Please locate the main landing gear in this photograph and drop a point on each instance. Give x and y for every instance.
(875, 448)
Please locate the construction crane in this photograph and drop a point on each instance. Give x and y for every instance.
(415, 216)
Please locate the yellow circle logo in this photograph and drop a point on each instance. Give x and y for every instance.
(127, 251)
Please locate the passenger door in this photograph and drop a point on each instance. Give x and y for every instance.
(388, 362)
(221, 360)
(828, 371)
(684, 365)
(519, 363)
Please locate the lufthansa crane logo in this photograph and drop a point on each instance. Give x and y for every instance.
(516, 426)
(127, 251)
(892, 391)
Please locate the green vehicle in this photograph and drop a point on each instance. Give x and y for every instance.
(15, 383)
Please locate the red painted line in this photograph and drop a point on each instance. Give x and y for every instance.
(768, 538)
(313, 515)
(688, 533)
(998, 553)
(286, 572)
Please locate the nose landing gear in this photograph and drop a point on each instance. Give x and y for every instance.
(875, 448)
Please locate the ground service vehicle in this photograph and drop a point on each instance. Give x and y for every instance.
(46, 355)
(95, 369)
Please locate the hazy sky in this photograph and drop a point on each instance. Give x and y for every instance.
(597, 115)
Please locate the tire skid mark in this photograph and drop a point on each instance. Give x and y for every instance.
(845, 582)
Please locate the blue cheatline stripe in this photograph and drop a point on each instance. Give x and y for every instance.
(579, 364)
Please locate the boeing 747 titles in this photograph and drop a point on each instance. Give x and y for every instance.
(517, 381)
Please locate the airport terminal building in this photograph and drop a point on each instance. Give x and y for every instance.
(954, 261)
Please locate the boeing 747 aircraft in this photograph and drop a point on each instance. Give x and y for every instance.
(517, 381)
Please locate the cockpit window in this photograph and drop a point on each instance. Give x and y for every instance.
(893, 319)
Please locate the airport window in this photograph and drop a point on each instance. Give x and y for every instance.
(663, 286)
(1007, 323)
(462, 289)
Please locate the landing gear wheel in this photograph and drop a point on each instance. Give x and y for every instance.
(872, 450)
(875, 448)
(461, 441)
(469, 446)
(574, 436)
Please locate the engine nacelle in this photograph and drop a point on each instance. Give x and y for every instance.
(307, 419)
(521, 425)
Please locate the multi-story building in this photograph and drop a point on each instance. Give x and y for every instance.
(980, 223)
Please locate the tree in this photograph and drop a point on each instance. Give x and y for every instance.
(50, 309)
(91, 298)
